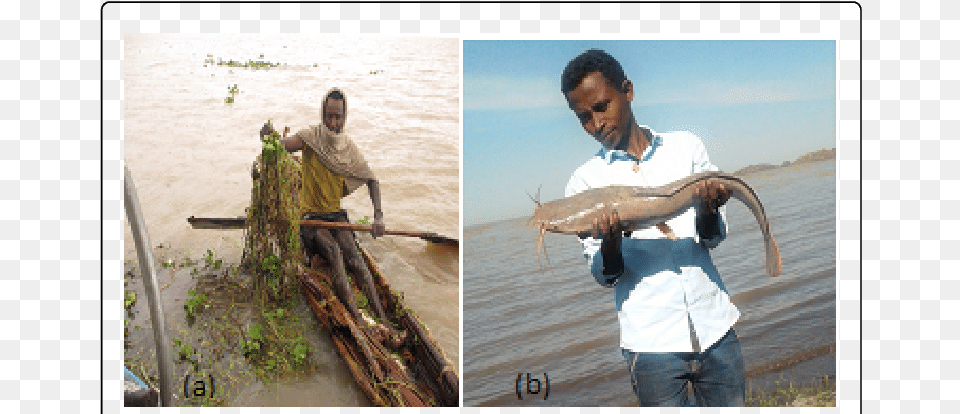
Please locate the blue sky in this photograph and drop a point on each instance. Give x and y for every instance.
(750, 102)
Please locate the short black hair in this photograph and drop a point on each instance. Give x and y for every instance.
(334, 94)
(593, 60)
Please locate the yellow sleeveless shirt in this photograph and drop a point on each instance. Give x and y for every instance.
(322, 189)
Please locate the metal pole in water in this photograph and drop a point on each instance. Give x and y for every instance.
(148, 271)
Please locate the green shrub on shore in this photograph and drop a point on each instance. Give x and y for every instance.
(820, 393)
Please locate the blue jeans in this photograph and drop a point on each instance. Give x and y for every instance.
(660, 379)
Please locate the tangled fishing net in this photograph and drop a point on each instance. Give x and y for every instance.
(272, 246)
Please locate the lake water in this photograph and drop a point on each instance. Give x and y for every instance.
(559, 325)
(190, 152)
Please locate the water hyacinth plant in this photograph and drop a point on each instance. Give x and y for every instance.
(233, 91)
(272, 246)
(249, 64)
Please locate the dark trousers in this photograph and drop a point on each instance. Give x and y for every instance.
(339, 248)
(717, 376)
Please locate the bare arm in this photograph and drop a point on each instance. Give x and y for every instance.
(289, 144)
(292, 144)
(378, 227)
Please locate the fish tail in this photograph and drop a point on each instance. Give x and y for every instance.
(774, 262)
(741, 191)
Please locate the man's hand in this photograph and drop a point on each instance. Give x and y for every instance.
(378, 227)
(608, 229)
(607, 225)
(267, 129)
(710, 197)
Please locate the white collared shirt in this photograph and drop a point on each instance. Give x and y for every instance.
(664, 282)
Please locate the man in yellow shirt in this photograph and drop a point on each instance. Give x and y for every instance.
(332, 169)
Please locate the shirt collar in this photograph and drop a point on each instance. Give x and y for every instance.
(610, 155)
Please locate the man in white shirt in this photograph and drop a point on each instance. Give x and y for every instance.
(669, 296)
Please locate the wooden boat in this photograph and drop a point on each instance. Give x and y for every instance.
(416, 374)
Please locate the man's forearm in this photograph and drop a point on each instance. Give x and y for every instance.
(291, 144)
(708, 225)
(374, 187)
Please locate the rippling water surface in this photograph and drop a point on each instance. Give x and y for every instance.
(190, 153)
(559, 322)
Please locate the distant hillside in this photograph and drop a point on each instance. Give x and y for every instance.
(754, 168)
(827, 154)
(820, 155)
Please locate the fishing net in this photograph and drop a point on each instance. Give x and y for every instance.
(272, 243)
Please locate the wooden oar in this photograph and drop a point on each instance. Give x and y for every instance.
(431, 237)
(217, 223)
(239, 223)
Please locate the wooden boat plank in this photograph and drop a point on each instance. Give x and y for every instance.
(424, 377)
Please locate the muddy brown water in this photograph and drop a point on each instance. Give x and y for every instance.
(190, 152)
(235, 383)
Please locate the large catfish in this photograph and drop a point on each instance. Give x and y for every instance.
(642, 207)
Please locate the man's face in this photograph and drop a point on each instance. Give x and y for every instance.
(334, 115)
(603, 110)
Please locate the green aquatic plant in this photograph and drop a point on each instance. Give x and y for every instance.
(195, 303)
(250, 63)
(187, 262)
(129, 299)
(249, 348)
(233, 91)
(256, 332)
(361, 300)
(184, 349)
(272, 240)
(255, 338)
(215, 343)
(300, 349)
(274, 347)
(211, 262)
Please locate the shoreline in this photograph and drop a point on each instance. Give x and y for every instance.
(820, 392)
(808, 158)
